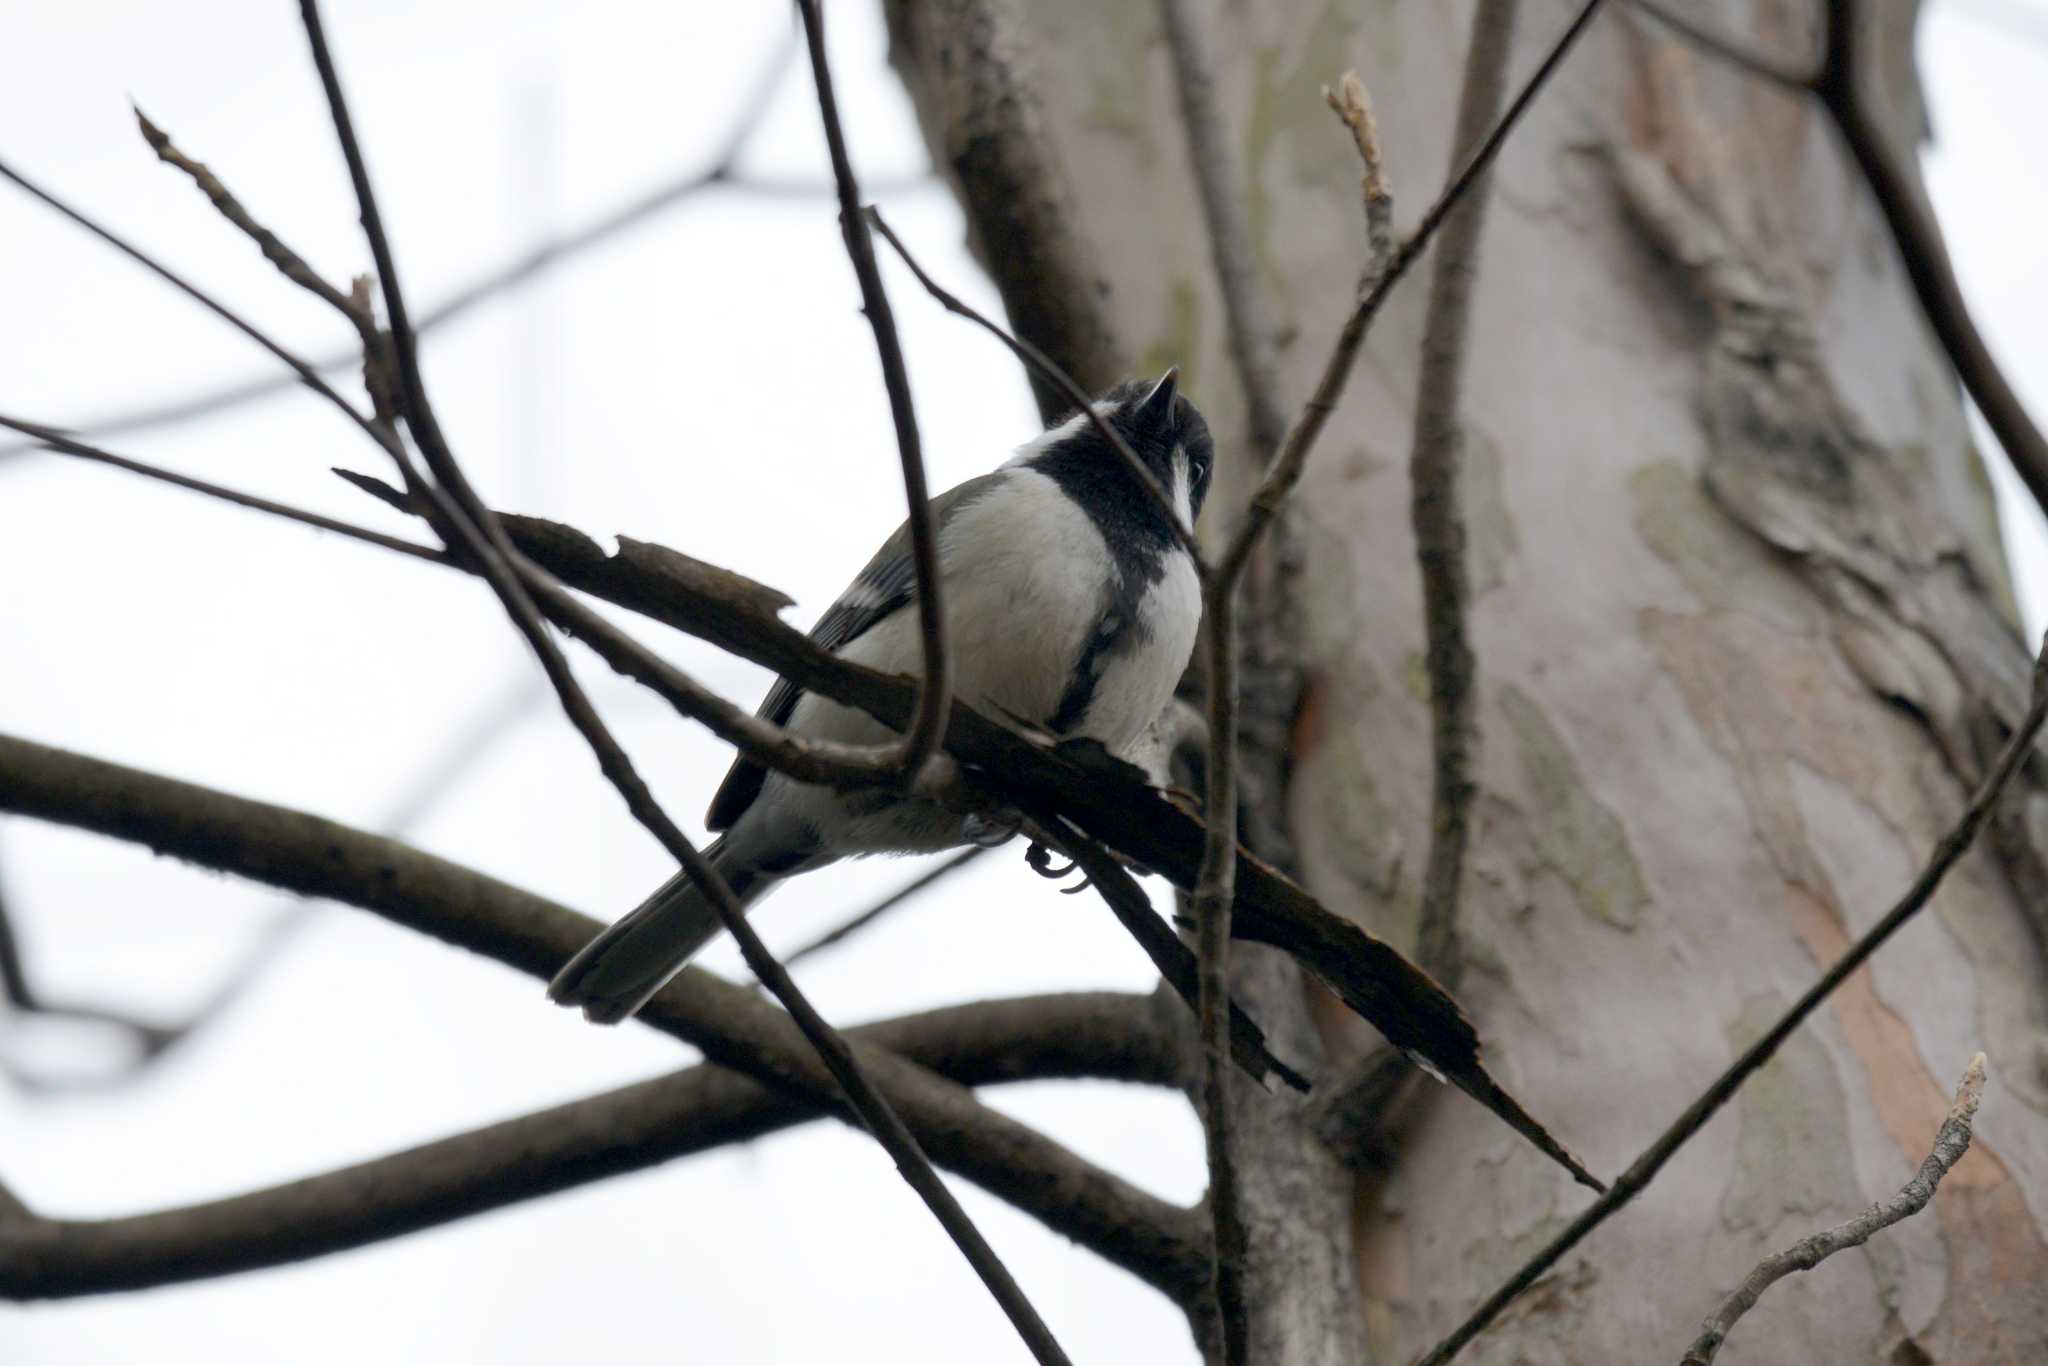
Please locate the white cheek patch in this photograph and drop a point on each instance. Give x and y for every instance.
(1183, 488)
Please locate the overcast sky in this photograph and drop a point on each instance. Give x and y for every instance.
(712, 360)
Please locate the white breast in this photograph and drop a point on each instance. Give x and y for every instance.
(1024, 573)
(1138, 683)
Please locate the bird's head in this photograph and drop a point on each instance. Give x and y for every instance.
(1164, 430)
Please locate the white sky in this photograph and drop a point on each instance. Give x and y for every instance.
(713, 361)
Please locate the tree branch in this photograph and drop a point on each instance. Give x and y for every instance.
(1176, 963)
(1435, 501)
(1249, 330)
(1160, 1243)
(307, 374)
(1098, 1034)
(928, 724)
(1640, 1172)
(1950, 1143)
(53, 439)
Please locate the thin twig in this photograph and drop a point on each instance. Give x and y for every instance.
(1950, 1143)
(275, 251)
(1055, 379)
(1640, 1172)
(1175, 961)
(928, 727)
(306, 373)
(1246, 325)
(908, 891)
(519, 270)
(1436, 508)
(20, 993)
(53, 439)
(806, 759)
(1350, 102)
(1287, 467)
(524, 268)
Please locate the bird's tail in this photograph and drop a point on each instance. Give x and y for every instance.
(615, 974)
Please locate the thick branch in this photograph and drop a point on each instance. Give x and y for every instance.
(1158, 1242)
(700, 1108)
(1950, 1143)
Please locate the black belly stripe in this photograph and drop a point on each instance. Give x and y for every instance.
(1111, 630)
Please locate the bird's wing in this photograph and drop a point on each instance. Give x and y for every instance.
(886, 586)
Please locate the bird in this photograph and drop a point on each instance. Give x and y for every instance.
(1070, 602)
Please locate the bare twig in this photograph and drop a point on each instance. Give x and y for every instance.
(306, 374)
(1176, 963)
(807, 760)
(1246, 324)
(909, 890)
(485, 539)
(1640, 1172)
(528, 265)
(735, 1028)
(22, 996)
(1435, 501)
(1096, 1034)
(1350, 103)
(1287, 467)
(1950, 1143)
(292, 265)
(52, 439)
(928, 726)
(1055, 380)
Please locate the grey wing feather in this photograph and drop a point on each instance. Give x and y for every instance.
(886, 585)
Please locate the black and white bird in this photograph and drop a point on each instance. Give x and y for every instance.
(1068, 600)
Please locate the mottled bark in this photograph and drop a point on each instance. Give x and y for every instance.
(1745, 640)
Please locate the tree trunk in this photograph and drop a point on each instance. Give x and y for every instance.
(1744, 642)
